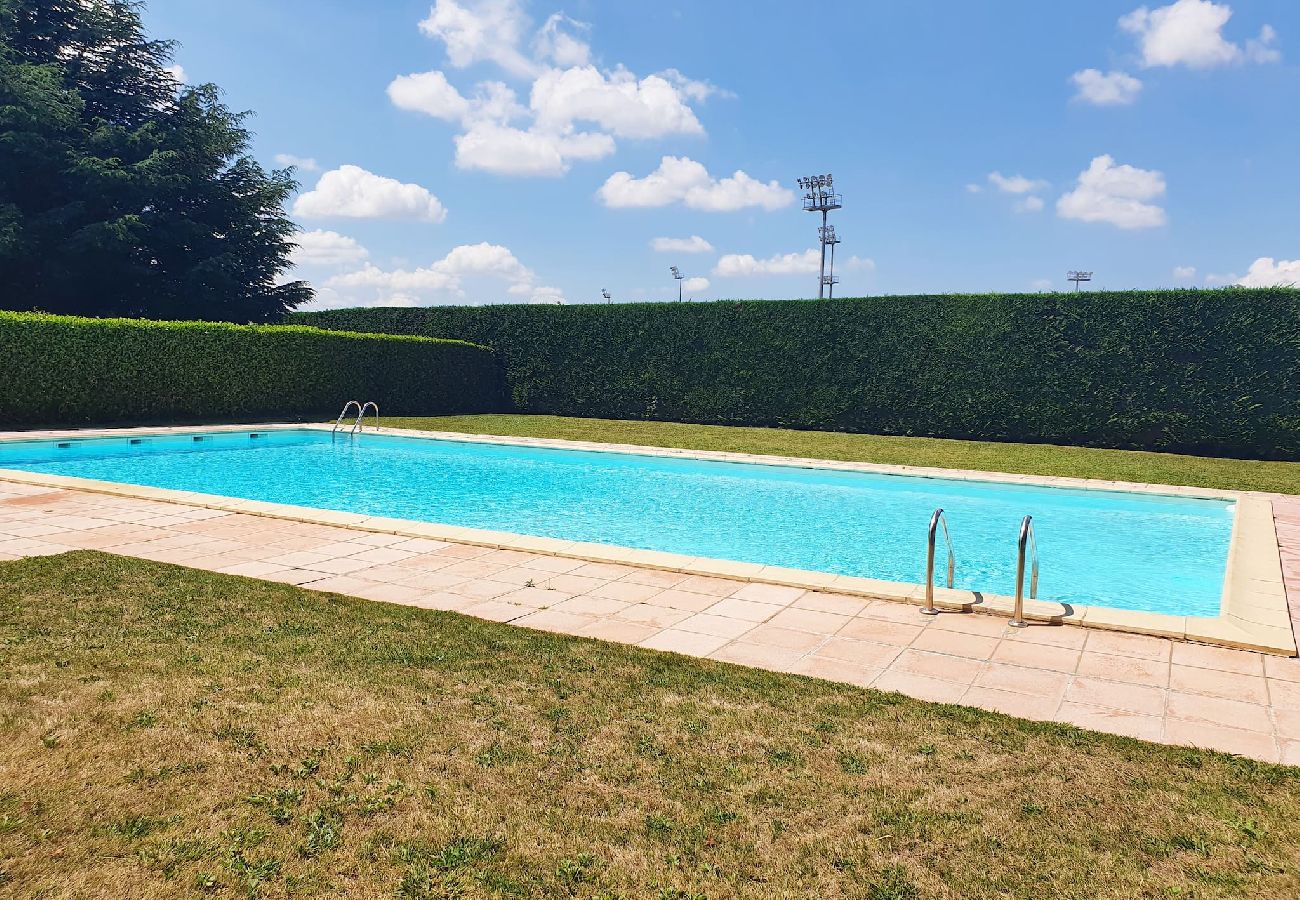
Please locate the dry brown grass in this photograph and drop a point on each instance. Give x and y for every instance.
(166, 732)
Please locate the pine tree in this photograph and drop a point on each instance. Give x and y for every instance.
(123, 192)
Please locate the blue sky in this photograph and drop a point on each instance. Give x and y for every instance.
(469, 151)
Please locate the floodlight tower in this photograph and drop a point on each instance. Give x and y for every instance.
(677, 274)
(604, 292)
(819, 196)
(827, 235)
(1076, 277)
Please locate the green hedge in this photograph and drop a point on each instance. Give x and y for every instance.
(63, 370)
(1210, 372)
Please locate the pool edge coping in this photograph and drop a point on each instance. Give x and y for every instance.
(1253, 615)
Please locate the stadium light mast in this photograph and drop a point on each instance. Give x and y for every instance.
(827, 235)
(1076, 277)
(819, 196)
(604, 292)
(677, 274)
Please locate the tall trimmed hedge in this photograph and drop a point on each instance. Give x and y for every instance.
(64, 370)
(1210, 372)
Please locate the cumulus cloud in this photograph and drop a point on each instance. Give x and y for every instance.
(1115, 194)
(327, 248)
(1268, 272)
(692, 244)
(177, 72)
(695, 285)
(1184, 273)
(1190, 33)
(575, 109)
(1105, 88)
(1028, 204)
(302, 163)
(352, 192)
(442, 279)
(1016, 184)
(807, 262)
(683, 180)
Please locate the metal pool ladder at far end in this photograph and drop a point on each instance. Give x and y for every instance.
(361, 415)
(1026, 542)
(935, 521)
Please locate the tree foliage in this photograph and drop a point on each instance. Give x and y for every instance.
(122, 191)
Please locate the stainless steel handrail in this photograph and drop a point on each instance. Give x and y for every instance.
(361, 416)
(935, 521)
(344, 412)
(1027, 541)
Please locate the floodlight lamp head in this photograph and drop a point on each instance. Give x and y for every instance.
(675, 271)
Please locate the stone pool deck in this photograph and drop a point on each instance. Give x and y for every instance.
(1147, 687)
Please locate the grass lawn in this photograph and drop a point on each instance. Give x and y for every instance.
(168, 732)
(1027, 459)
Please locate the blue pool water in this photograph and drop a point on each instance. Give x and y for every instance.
(1135, 551)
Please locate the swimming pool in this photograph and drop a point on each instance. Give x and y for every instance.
(1134, 551)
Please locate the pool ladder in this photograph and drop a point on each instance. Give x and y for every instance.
(1026, 551)
(361, 415)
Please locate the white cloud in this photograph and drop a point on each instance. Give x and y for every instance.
(442, 278)
(974, 189)
(352, 192)
(1190, 33)
(1115, 194)
(484, 31)
(1028, 204)
(683, 180)
(692, 244)
(616, 102)
(1184, 273)
(302, 163)
(1016, 184)
(555, 42)
(429, 93)
(177, 72)
(1105, 89)
(1041, 284)
(695, 285)
(327, 248)
(807, 262)
(511, 151)
(1267, 272)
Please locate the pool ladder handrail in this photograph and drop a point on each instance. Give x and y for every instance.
(1028, 542)
(346, 406)
(935, 521)
(361, 416)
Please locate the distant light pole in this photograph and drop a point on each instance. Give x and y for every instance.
(679, 276)
(827, 235)
(819, 196)
(1076, 277)
(604, 292)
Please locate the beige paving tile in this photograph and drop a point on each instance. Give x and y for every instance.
(658, 616)
(880, 630)
(786, 638)
(971, 646)
(744, 609)
(573, 584)
(443, 601)
(971, 623)
(936, 690)
(1283, 694)
(604, 571)
(1243, 662)
(687, 642)
(251, 569)
(840, 604)
(810, 620)
(1218, 737)
(1067, 636)
(762, 656)
(299, 559)
(937, 665)
(1020, 680)
(720, 626)
(833, 669)
(473, 568)
(618, 631)
(534, 597)
(463, 551)
(1124, 668)
(707, 584)
(1200, 708)
(1037, 656)
(1286, 723)
(1290, 752)
(390, 593)
(866, 654)
(427, 562)
(555, 620)
(381, 555)
(684, 600)
(1111, 721)
(1026, 706)
(341, 565)
(481, 589)
(627, 591)
(338, 584)
(591, 605)
(1133, 698)
(293, 576)
(769, 593)
(432, 581)
(655, 578)
(1134, 645)
(1216, 683)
